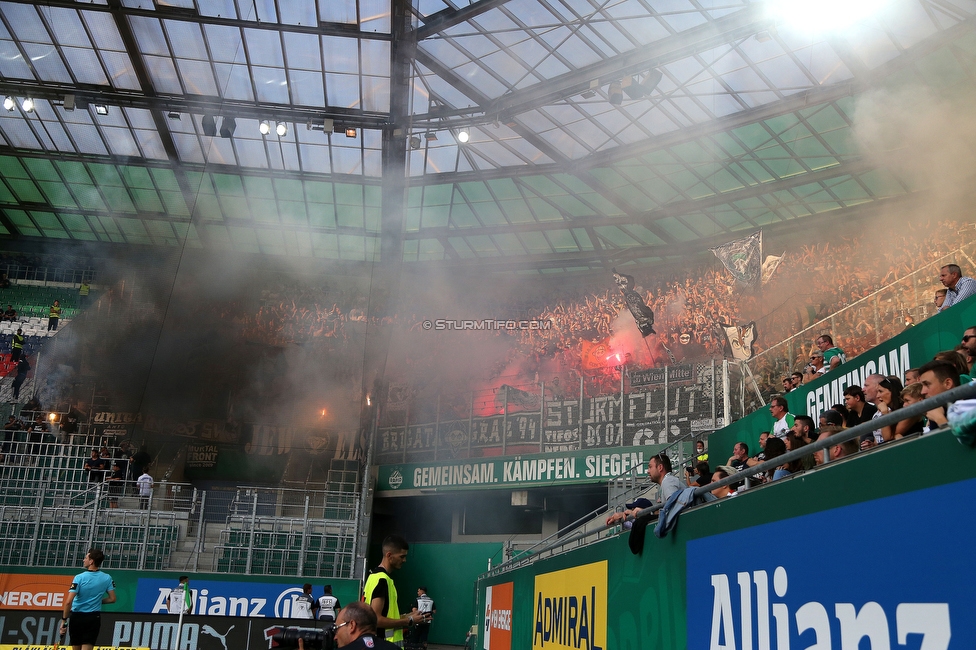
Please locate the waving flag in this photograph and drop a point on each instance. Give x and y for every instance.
(743, 258)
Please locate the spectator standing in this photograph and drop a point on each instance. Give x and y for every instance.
(701, 456)
(23, 367)
(95, 467)
(940, 296)
(832, 355)
(958, 287)
(83, 290)
(116, 483)
(145, 483)
(83, 603)
(783, 419)
(53, 315)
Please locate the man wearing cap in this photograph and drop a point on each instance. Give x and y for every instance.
(659, 471)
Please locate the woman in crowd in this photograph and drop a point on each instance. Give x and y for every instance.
(775, 447)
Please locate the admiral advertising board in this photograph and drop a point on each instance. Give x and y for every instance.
(894, 572)
(498, 616)
(569, 609)
(29, 631)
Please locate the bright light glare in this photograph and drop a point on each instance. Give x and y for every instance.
(824, 15)
(281, 129)
(462, 136)
(264, 127)
(27, 104)
(8, 103)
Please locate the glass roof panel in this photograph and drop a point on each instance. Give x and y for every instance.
(46, 62)
(12, 63)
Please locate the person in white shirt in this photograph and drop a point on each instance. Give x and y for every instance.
(176, 603)
(303, 606)
(328, 605)
(145, 483)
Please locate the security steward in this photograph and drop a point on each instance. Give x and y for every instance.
(380, 593)
(17, 346)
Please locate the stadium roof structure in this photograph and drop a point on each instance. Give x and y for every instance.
(599, 132)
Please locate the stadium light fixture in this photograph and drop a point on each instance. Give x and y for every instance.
(227, 127)
(616, 93)
(824, 15)
(463, 136)
(209, 125)
(281, 129)
(350, 132)
(9, 103)
(27, 105)
(264, 127)
(101, 109)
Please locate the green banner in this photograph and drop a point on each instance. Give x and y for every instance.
(643, 601)
(910, 349)
(533, 470)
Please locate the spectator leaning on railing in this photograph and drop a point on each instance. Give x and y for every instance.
(958, 287)
(832, 355)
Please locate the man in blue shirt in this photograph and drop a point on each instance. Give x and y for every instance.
(958, 287)
(88, 592)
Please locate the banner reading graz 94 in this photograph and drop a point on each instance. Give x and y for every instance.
(576, 467)
(570, 608)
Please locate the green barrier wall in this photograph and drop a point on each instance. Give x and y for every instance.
(449, 572)
(940, 332)
(647, 594)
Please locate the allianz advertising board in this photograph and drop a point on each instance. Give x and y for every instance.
(219, 598)
(890, 573)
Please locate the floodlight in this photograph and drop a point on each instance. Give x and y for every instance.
(414, 142)
(101, 109)
(173, 115)
(281, 129)
(69, 102)
(227, 127)
(264, 127)
(463, 136)
(9, 103)
(27, 105)
(616, 93)
(350, 132)
(430, 135)
(824, 15)
(327, 124)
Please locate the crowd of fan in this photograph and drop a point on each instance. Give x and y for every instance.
(812, 282)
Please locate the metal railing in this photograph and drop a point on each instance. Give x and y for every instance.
(578, 534)
(863, 324)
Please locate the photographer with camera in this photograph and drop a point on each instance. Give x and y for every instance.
(355, 628)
